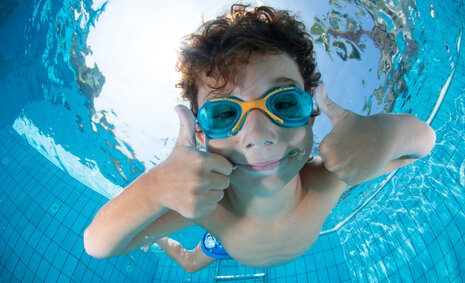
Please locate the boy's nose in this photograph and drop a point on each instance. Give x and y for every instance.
(258, 130)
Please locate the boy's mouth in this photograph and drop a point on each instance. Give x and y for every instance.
(269, 165)
(265, 166)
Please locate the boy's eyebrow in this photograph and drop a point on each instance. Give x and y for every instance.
(280, 81)
(285, 80)
(213, 95)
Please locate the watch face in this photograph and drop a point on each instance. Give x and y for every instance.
(210, 242)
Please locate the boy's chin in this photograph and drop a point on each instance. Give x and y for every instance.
(264, 189)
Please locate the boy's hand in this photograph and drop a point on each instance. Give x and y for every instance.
(189, 181)
(358, 146)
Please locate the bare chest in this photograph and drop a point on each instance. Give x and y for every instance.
(276, 244)
(272, 243)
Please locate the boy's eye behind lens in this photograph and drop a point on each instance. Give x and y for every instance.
(287, 108)
(224, 114)
(222, 123)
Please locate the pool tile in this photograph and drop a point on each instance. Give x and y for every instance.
(19, 270)
(441, 269)
(323, 275)
(52, 275)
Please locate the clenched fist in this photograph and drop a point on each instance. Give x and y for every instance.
(189, 181)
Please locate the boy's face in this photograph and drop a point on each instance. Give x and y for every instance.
(260, 140)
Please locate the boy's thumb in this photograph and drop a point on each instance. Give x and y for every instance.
(187, 127)
(331, 109)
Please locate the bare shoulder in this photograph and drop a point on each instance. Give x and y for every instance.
(317, 178)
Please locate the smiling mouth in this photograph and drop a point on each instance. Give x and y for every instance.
(258, 167)
(269, 165)
(265, 166)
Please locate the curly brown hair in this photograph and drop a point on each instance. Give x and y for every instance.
(223, 44)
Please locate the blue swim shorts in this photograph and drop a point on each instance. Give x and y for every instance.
(213, 248)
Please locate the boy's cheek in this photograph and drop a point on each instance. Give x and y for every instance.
(301, 137)
(224, 147)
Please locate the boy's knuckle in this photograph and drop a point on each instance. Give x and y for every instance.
(189, 214)
(188, 189)
(220, 195)
(184, 211)
(207, 182)
(190, 198)
(343, 175)
(197, 182)
(215, 183)
(225, 182)
(323, 146)
(200, 160)
(196, 210)
(194, 171)
(209, 209)
(199, 211)
(330, 164)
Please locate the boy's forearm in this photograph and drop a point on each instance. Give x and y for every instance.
(175, 250)
(414, 138)
(191, 261)
(119, 221)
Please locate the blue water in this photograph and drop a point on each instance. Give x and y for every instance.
(402, 227)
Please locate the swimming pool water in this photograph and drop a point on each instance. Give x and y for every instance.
(410, 231)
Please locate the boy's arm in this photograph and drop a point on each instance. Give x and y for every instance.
(167, 224)
(188, 182)
(129, 220)
(191, 261)
(360, 148)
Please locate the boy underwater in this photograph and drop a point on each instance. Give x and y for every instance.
(250, 76)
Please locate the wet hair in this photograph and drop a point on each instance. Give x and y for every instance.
(220, 46)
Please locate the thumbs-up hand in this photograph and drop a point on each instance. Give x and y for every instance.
(358, 146)
(189, 181)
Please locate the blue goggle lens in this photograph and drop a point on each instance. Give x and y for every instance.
(218, 118)
(294, 107)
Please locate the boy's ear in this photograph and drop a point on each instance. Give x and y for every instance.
(200, 135)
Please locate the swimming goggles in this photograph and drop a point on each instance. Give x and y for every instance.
(287, 106)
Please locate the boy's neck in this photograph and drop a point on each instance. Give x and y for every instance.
(266, 208)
